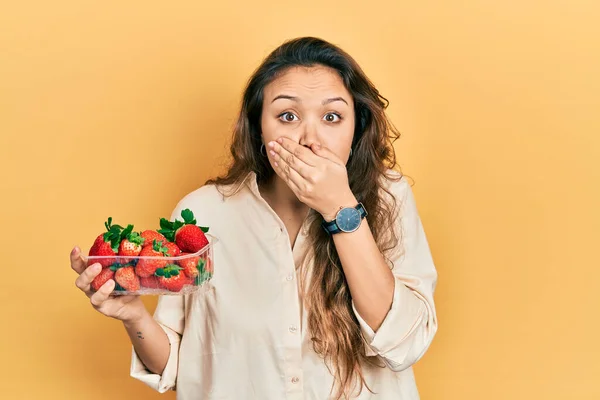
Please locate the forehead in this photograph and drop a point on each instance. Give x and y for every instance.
(307, 82)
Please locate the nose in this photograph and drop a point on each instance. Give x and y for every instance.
(310, 134)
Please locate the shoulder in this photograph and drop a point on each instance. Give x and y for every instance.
(202, 201)
(397, 185)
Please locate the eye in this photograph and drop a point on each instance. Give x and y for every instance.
(332, 117)
(288, 117)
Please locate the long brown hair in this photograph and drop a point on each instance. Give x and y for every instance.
(334, 329)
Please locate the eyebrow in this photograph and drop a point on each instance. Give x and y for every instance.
(333, 99)
(287, 97)
(296, 99)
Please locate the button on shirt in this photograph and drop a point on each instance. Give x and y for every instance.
(244, 335)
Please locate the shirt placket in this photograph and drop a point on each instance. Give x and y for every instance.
(291, 326)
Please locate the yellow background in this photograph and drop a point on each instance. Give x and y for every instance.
(121, 107)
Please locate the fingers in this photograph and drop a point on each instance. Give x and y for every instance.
(98, 298)
(78, 264)
(324, 152)
(300, 152)
(290, 176)
(84, 280)
(293, 159)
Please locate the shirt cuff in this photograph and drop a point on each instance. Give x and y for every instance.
(392, 339)
(167, 380)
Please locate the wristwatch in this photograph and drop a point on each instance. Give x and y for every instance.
(347, 219)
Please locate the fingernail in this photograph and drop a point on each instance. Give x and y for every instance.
(318, 146)
(271, 144)
(276, 164)
(74, 251)
(272, 152)
(280, 140)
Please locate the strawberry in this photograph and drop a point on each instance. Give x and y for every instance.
(104, 276)
(106, 245)
(127, 278)
(174, 251)
(190, 238)
(149, 237)
(171, 278)
(186, 234)
(190, 265)
(131, 244)
(147, 267)
(150, 282)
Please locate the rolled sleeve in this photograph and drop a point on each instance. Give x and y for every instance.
(411, 323)
(169, 315)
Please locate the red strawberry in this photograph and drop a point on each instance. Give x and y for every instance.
(147, 267)
(149, 237)
(106, 245)
(150, 282)
(171, 278)
(131, 244)
(104, 276)
(186, 234)
(127, 278)
(190, 238)
(174, 251)
(189, 265)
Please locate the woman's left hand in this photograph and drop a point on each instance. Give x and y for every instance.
(316, 175)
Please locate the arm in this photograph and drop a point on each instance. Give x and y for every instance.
(150, 342)
(397, 318)
(369, 278)
(156, 339)
(156, 363)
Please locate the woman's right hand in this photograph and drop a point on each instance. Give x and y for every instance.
(127, 308)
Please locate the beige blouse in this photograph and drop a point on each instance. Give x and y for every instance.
(244, 334)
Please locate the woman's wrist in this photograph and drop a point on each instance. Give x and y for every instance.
(346, 201)
(137, 318)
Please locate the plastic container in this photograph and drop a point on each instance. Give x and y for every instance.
(165, 280)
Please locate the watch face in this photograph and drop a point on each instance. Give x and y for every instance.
(348, 219)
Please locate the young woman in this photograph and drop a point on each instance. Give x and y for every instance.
(323, 285)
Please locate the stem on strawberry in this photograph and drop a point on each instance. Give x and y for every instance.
(113, 234)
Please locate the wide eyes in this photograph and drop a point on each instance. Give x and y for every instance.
(291, 117)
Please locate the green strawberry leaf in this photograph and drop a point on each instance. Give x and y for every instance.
(200, 266)
(119, 287)
(116, 228)
(204, 229)
(167, 233)
(159, 272)
(188, 217)
(126, 232)
(136, 238)
(178, 224)
(165, 223)
(158, 246)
